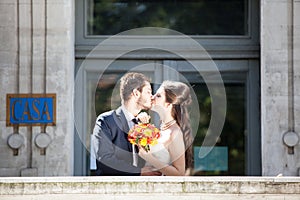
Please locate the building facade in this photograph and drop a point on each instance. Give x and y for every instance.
(77, 50)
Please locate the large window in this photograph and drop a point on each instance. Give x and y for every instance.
(235, 151)
(210, 22)
(192, 17)
(228, 31)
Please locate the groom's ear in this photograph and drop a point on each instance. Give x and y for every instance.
(136, 93)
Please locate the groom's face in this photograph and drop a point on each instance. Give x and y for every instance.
(145, 99)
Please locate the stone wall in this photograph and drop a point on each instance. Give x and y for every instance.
(150, 187)
(280, 80)
(37, 56)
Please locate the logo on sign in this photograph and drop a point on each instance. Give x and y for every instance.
(31, 109)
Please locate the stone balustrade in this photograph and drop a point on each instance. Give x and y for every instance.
(75, 188)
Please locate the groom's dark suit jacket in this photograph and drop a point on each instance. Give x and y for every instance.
(112, 149)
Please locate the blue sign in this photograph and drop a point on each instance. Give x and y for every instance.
(215, 160)
(31, 109)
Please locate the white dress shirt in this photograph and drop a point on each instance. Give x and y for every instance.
(129, 116)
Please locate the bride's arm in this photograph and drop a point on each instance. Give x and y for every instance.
(176, 150)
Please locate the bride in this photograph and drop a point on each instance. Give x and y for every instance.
(172, 156)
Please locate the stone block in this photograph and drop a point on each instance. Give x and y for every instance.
(29, 172)
(207, 188)
(8, 39)
(7, 14)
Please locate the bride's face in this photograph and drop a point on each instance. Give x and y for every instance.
(159, 101)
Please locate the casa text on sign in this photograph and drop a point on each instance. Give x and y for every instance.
(30, 109)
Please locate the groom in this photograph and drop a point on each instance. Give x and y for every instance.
(114, 154)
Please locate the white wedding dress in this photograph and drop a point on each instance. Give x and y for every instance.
(161, 153)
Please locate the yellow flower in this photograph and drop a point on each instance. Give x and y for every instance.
(143, 141)
(131, 141)
(143, 125)
(148, 132)
(138, 129)
(153, 142)
(145, 135)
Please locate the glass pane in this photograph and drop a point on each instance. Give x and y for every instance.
(192, 17)
(104, 92)
(228, 156)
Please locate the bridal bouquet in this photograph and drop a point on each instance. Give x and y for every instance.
(144, 135)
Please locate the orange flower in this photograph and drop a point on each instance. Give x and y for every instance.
(144, 135)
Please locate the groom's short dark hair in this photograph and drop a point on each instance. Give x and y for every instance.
(131, 81)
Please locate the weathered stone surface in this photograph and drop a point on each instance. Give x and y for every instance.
(156, 187)
(34, 68)
(279, 73)
(28, 66)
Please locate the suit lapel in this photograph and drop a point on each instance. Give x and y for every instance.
(122, 123)
(121, 120)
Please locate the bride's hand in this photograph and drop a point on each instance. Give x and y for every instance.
(144, 154)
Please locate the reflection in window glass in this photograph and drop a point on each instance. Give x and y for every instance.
(104, 96)
(191, 17)
(228, 156)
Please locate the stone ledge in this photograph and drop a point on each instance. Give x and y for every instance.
(150, 185)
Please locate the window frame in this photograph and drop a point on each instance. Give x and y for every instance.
(220, 48)
(248, 74)
(232, 45)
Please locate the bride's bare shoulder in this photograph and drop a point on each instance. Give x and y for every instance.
(176, 132)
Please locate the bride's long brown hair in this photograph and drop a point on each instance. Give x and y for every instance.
(178, 94)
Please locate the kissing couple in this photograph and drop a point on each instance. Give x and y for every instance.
(172, 156)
